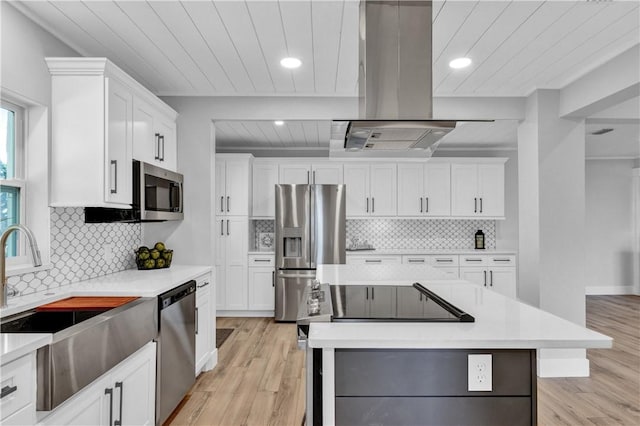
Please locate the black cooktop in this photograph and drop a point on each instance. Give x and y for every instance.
(392, 303)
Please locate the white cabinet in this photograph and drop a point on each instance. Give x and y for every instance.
(92, 132)
(321, 173)
(261, 282)
(424, 189)
(265, 178)
(154, 136)
(126, 394)
(205, 322)
(18, 403)
(494, 272)
(231, 262)
(477, 189)
(327, 174)
(373, 260)
(233, 174)
(447, 264)
(371, 189)
(365, 301)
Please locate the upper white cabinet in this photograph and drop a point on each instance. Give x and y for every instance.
(477, 189)
(154, 136)
(424, 189)
(371, 189)
(265, 178)
(93, 130)
(321, 173)
(233, 174)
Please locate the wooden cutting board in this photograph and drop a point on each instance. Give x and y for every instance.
(91, 303)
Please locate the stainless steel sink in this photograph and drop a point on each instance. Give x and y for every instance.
(85, 344)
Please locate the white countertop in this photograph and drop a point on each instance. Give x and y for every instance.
(500, 322)
(131, 282)
(396, 252)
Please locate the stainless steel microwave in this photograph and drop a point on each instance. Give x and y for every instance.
(157, 192)
(157, 196)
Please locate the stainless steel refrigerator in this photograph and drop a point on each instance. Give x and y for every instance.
(310, 231)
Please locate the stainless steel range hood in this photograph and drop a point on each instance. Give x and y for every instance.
(395, 81)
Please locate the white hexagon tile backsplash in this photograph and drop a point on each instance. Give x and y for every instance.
(80, 251)
(429, 234)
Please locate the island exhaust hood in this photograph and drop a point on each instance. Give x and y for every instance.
(395, 82)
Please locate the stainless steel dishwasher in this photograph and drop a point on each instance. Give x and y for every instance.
(175, 369)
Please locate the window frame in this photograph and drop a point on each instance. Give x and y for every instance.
(19, 178)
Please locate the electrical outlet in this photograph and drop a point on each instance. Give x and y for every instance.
(479, 372)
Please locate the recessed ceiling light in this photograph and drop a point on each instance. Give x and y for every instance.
(278, 122)
(460, 63)
(290, 62)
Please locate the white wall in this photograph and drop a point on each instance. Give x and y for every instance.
(25, 80)
(609, 243)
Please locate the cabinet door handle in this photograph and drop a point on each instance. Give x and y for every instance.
(262, 260)
(8, 390)
(491, 278)
(228, 202)
(314, 176)
(204, 284)
(157, 147)
(475, 205)
(420, 204)
(221, 204)
(445, 260)
(367, 293)
(472, 260)
(367, 204)
(427, 202)
(416, 260)
(420, 296)
(485, 278)
(373, 293)
(480, 204)
(114, 164)
(121, 386)
(162, 144)
(308, 181)
(222, 227)
(228, 227)
(273, 278)
(373, 205)
(373, 261)
(109, 391)
(197, 320)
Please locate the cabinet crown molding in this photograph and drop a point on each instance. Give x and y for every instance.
(104, 67)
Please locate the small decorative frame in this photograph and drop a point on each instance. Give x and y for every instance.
(266, 241)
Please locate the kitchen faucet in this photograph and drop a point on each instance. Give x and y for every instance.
(35, 255)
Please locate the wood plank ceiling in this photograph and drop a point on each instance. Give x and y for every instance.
(233, 47)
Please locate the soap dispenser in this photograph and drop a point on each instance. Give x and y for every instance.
(479, 240)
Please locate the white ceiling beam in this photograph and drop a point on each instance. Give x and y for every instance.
(610, 84)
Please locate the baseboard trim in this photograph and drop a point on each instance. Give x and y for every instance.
(563, 367)
(252, 314)
(608, 290)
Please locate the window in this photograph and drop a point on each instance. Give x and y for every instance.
(12, 183)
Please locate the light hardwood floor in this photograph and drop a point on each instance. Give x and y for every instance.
(259, 379)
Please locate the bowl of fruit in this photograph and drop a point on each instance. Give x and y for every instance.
(158, 257)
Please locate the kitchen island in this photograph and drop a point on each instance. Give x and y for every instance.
(426, 373)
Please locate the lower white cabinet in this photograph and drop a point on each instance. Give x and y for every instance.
(125, 395)
(502, 279)
(18, 403)
(374, 260)
(204, 321)
(231, 262)
(262, 283)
